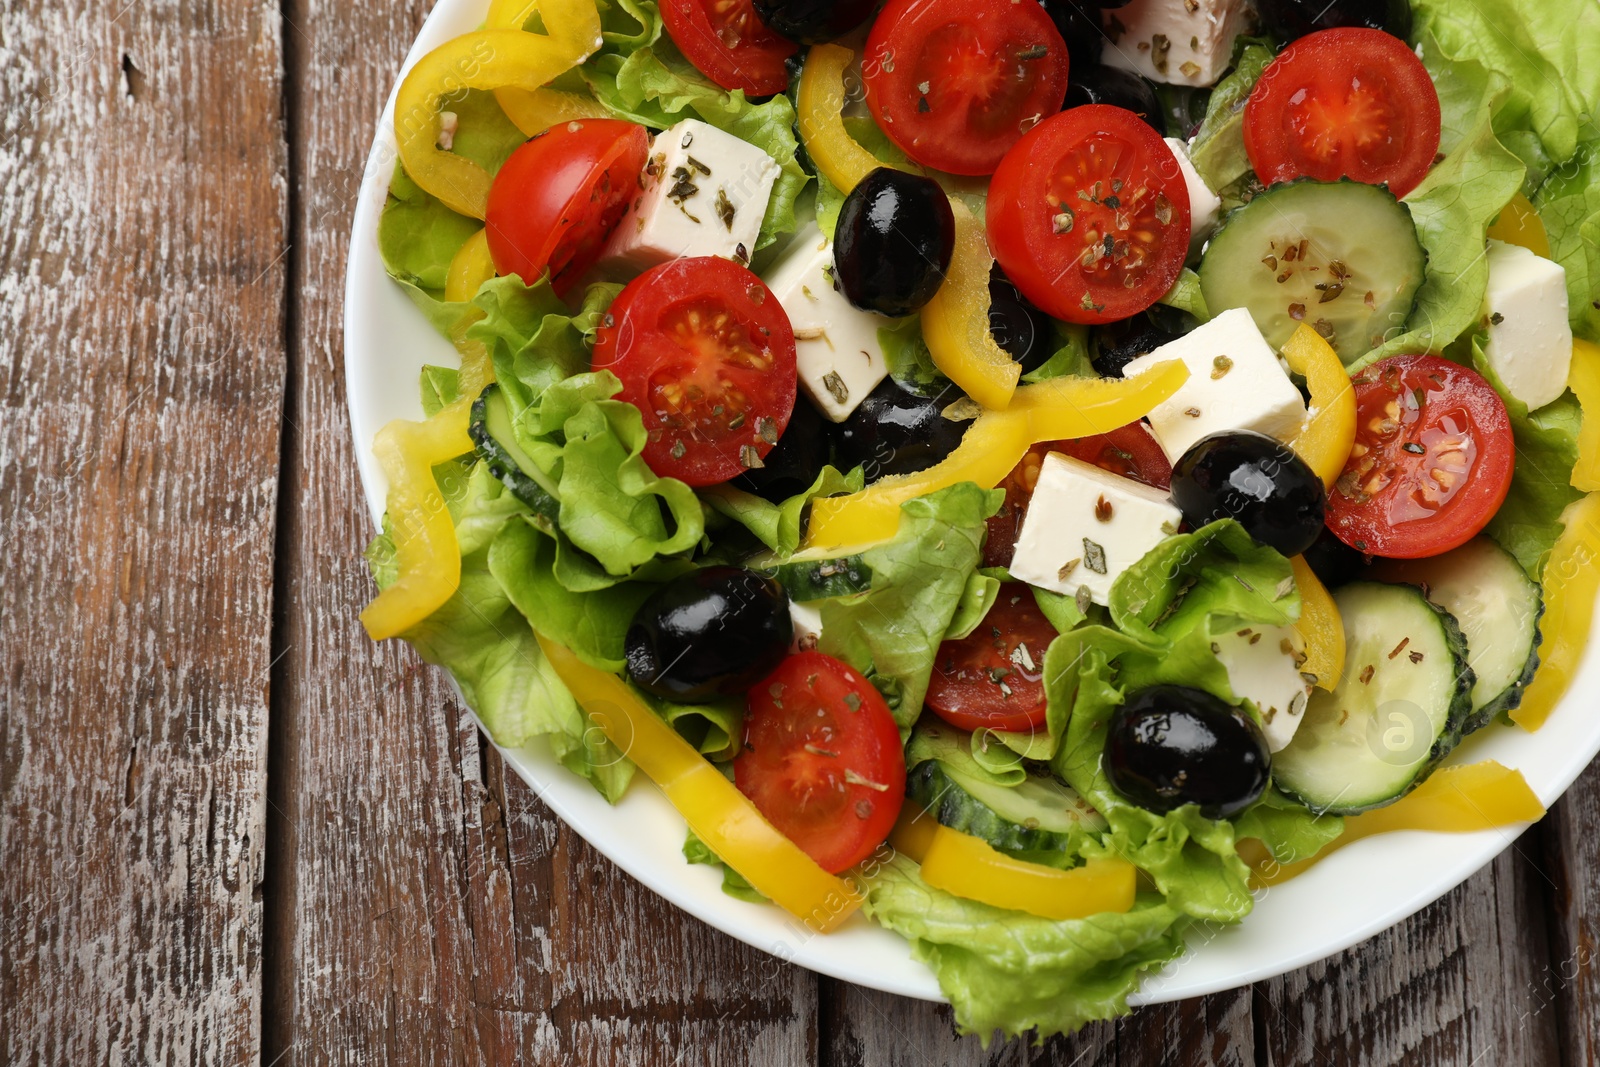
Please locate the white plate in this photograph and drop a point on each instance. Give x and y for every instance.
(1316, 915)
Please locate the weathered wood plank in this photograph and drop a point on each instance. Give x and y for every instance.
(1459, 983)
(142, 217)
(1566, 991)
(423, 907)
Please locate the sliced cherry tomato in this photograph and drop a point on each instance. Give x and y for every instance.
(955, 83)
(1345, 103)
(558, 197)
(1089, 215)
(1432, 459)
(728, 43)
(1128, 451)
(822, 759)
(994, 677)
(706, 353)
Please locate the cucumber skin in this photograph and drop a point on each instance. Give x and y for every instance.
(928, 785)
(1456, 718)
(805, 581)
(1511, 697)
(503, 467)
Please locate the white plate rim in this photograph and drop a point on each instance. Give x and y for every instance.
(1301, 922)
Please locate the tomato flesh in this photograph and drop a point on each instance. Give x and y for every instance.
(558, 197)
(1129, 451)
(994, 677)
(1089, 216)
(955, 83)
(728, 43)
(822, 759)
(1350, 102)
(1432, 459)
(706, 353)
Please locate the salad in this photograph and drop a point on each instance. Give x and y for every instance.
(1025, 475)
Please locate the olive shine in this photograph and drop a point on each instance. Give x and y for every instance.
(1022, 330)
(897, 431)
(893, 242)
(1116, 344)
(1100, 84)
(813, 21)
(1170, 745)
(794, 463)
(1250, 477)
(710, 633)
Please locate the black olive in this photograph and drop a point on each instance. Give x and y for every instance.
(1117, 344)
(1248, 476)
(1079, 23)
(795, 462)
(1289, 19)
(1016, 325)
(1170, 745)
(894, 241)
(813, 21)
(1334, 562)
(711, 633)
(897, 431)
(1100, 84)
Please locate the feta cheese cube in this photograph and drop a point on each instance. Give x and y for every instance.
(1205, 207)
(1235, 383)
(1085, 526)
(837, 354)
(1182, 42)
(1263, 666)
(807, 619)
(703, 193)
(1530, 339)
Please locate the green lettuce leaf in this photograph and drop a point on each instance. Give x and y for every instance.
(439, 387)
(779, 526)
(638, 74)
(1013, 972)
(1218, 152)
(891, 632)
(486, 644)
(1549, 51)
(1569, 207)
(1290, 830)
(1529, 521)
(1455, 204)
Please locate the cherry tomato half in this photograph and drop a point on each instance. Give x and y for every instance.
(994, 677)
(1129, 451)
(558, 197)
(706, 353)
(728, 43)
(822, 759)
(1432, 459)
(955, 83)
(1089, 215)
(1350, 102)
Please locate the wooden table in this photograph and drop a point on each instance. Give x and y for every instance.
(232, 830)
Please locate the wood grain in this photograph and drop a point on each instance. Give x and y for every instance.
(423, 907)
(142, 213)
(1565, 993)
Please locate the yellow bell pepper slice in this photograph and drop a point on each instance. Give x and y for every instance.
(1320, 626)
(535, 112)
(968, 867)
(1060, 409)
(1325, 440)
(1457, 800)
(426, 551)
(955, 323)
(820, 104)
(716, 811)
(1519, 224)
(1584, 381)
(1571, 583)
(487, 59)
(470, 267)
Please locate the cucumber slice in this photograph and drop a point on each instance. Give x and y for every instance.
(1398, 710)
(1039, 815)
(491, 433)
(1497, 607)
(1342, 256)
(818, 579)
